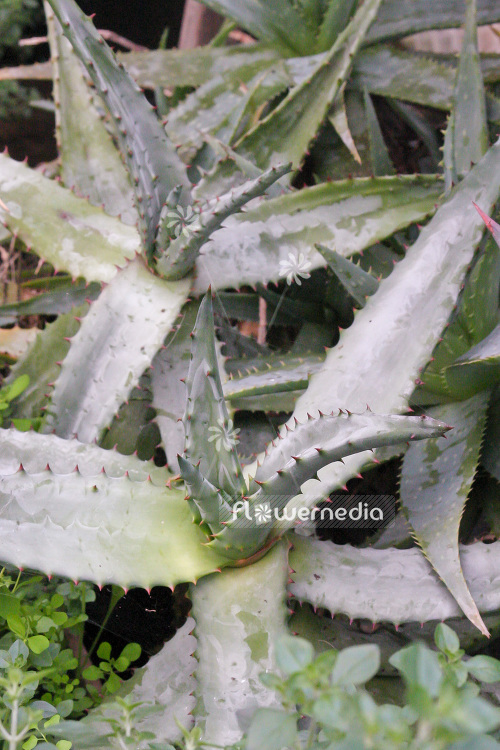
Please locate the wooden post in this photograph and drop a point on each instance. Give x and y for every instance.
(199, 25)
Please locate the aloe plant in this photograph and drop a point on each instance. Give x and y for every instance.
(123, 520)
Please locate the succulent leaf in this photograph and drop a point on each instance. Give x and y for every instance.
(226, 106)
(474, 319)
(67, 231)
(394, 20)
(210, 437)
(301, 452)
(67, 296)
(90, 161)
(115, 526)
(152, 161)
(349, 215)
(421, 290)
(477, 369)
(278, 23)
(467, 133)
(273, 374)
(490, 456)
(387, 585)
(169, 370)
(208, 504)
(435, 482)
(180, 254)
(380, 159)
(357, 283)
(116, 342)
(41, 363)
(287, 131)
(238, 618)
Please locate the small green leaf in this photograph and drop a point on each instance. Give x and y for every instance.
(356, 665)
(17, 387)
(56, 601)
(15, 623)
(44, 624)
(63, 745)
(271, 729)
(30, 743)
(59, 618)
(484, 668)
(446, 639)
(9, 605)
(293, 654)
(112, 683)
(420, 667)
(131, 652)
(104, 651)
(120, 664)
(92, 673)
(55, 719)
(38, 643)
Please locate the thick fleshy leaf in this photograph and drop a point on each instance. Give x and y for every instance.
(65, 230)
(491, 449)
(111, 526)
(301, 452)
(388, 585)
(228, 105)
(338, 118)
(477, 369)
(239, 616)
(277, 22)
(348, 215)
(435, 482)
(67, 296)
(116, 342)
(420, 294)
(399, 18)
(356, 283)
(42, 362)
(475, 318)
(153, 163)
(276, 373)
(180, 253)
(90, 162)
(210, 435)
(467, 132)
(380, 159)
(286, 132)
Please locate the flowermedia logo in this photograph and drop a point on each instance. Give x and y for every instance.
(294, 268)
(181, 220)
(224, 435)
(339, 511)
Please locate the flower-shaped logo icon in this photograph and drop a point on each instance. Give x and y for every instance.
(262, 513)
(180, 219)
(295, 268)
(222, 436)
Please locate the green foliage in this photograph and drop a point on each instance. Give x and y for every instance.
(443, 707)
(8, 395)
(109, 668)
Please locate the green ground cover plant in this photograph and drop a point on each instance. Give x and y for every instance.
(385, 289)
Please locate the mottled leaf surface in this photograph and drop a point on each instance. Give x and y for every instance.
(435, 482)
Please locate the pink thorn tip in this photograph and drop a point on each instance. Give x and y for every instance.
(490, 224)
